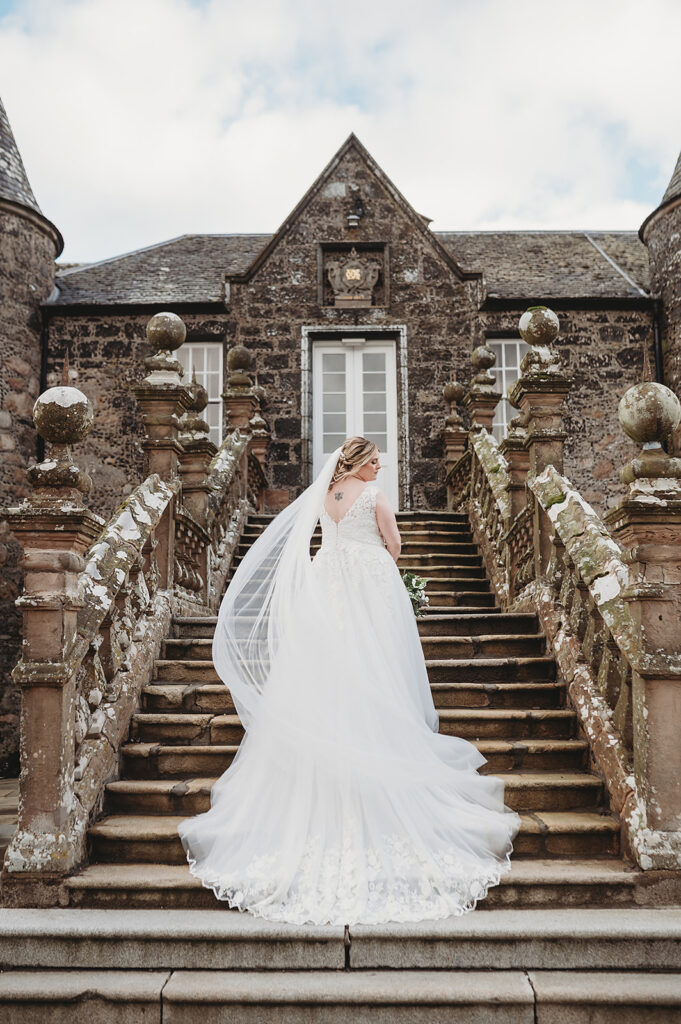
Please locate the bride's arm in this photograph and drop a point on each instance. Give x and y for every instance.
(387, 524)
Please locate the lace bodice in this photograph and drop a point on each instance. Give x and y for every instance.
(358, 525)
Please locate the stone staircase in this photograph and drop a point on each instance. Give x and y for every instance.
(493, 683)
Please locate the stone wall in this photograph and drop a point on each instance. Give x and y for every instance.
(602, 353)
(663, 238)
(426, 296)
(107, 351)
(26, 279)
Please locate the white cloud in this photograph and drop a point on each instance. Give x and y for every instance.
(139, 120)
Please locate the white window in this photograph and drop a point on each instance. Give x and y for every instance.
(354, 391)
(205, 357)
(509, 355)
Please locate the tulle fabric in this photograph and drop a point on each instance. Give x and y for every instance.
(344, 804)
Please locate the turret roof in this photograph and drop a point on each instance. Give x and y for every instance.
(14, 183)
(674, 186)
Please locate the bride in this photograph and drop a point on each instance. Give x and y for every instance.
(343, 804)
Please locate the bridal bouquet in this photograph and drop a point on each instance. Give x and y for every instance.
(416, 587)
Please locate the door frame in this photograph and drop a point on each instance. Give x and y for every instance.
(392, 332)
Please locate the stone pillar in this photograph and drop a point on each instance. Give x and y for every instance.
(260, 431)
(454, 435)
(197, 452)
(163, 399)
(540, 394)
(647, 523)
(55, 530)
(515, 450)
(482, 397)
(240, 401)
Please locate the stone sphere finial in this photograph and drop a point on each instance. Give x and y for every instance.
(453, 392)
(166, 332)
(539, 326)
(239, 361)
(648, 413)
(239, 358)
(483, 359)
(63, 415)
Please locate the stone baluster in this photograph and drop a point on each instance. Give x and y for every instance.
(515, 450)
(197, 452)
(163, 399)
(540, 394)
(55, 530)
(482, 397)
(261, 435)
(647, 524)
(240, 401)
(454, 435)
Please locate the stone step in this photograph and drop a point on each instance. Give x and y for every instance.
(498, 695)
(158, 760)
(468, 723)
(531, 882)
(491, 670)
(543, 791)
(461, 601)
(464, 602)
(441, 566)
(458, 623)
(449, 569)
(215, 698)
(454, 584)
(583, 938)
(154, 839)
(365, 997)
(492, 634)
(483, 646)
(461, 669)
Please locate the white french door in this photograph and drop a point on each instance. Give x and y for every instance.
(354, 392)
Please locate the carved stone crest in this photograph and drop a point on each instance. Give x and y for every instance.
(353, 278)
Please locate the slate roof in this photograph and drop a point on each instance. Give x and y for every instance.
(185, 269)
(516, 264)
(14, 183)
(554, 264)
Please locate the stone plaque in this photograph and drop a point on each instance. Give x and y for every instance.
(353, 277)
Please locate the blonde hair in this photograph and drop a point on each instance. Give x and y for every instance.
(355, 453)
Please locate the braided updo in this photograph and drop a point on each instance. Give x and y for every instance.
(355, 453)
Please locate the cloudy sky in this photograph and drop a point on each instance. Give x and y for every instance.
(140, 120)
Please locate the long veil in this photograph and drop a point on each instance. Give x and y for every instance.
(261, 596)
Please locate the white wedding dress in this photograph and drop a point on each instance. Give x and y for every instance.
(343, 804)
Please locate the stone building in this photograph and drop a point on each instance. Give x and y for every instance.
(355, 314)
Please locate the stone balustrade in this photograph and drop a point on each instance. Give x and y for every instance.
(99, 597)
(608, 594)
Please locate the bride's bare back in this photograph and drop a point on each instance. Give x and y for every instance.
(342, 496)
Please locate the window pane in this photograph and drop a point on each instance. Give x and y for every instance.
(334, 403)
(198, 358)
(373, 381)
(213, 358)
(332, 362)
(378, 439)
(332, 441)
(334, 382)
(374, 361)
(375, 401)
(211, 383)
(334, 422)
(375, 421)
